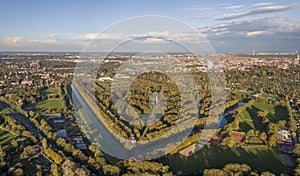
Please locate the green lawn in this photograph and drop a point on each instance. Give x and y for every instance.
(52, 104)
(239, 95)
(49, 91)
(271, 96)
(5, 137)
(260, 158)
(4, 112)
(249, 119)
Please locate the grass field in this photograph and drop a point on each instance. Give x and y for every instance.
(239, 95)
(249, 119)
(4, 112)
(271, 96)
(49, 91)
(260, 158)
(53, 103)
(5, 137)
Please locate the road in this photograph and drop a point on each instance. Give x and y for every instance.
(22, 119)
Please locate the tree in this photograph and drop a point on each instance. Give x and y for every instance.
(2, 157)
(297, 169)
(68, 147)
(68, 168)
(214, 172)
(82, 171)
(251, 133)
(53, 155)
(263, 136)
(61, 142)
(267, 174)
(292, 124)
(79, 154)
(228, 141)
(27, 152)
(237, 169)
(262, 114)
(236, 124)
(296, 150)
(111, 170)
(54, 170)
(44, 143)
(18, 172)
(273, 139)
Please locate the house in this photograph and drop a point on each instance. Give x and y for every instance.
(191, 149)
(105, 79)
(62, 133)
(239, 137)
(215, 140)
(195, 147)
(78, 142)
(52, 116)
(284, 137)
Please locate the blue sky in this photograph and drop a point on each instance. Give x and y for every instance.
(228, 25)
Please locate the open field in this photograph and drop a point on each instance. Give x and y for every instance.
(4, 112)
(49, 91)
(257, 157)
(239, 95)
(250, 120)
(270, 96)
(53, 103)
(5, 137)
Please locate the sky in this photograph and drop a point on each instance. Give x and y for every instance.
(228, 26)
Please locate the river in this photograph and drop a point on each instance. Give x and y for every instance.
(223, 122)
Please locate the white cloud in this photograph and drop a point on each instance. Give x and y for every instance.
(272, 33)
(257, 33)
(276, 33)
(234, 7)
(199, 17)
(262, 4)
(46, 41)
(151, 40)
(198, 9)
(99, 36)
(156, 33)
(257, 11)
(15, 41)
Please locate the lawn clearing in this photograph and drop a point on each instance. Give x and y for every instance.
(260, 158)
(4, 112)
(239, 95)
(52, 104)
(49, 91)
(250, 120)
(270, 96)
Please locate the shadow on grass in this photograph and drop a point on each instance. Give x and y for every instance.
(260, 158)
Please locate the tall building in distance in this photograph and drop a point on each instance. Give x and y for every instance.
(297, 59)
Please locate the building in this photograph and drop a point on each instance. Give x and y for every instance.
(239, 137)
(284, 137)
(79, 143)
(62, 133)
(105, 79)
(191, 149)
(195, 147)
